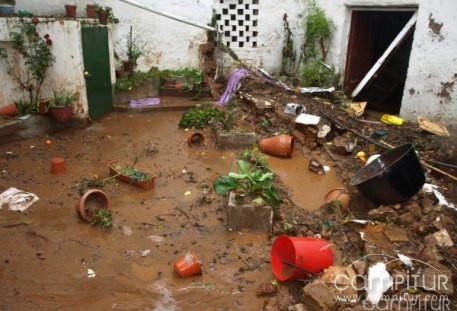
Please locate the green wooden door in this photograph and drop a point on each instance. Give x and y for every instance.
(97, 71)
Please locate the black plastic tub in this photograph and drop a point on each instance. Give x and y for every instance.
(393, 177)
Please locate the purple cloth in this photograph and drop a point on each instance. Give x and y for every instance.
(235, 77)
(135, 103)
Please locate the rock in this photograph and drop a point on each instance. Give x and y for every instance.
(299, 136)
(360, 267)
(377, 243)
(443, 239)
(342, 145)
(437, 278)
(381, 213)
(396, 234)
(298, 307)
(415, 209)
(406, 218)
(440, 238)
(318, 297)
(339, 280)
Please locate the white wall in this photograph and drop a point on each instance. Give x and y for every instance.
(429, 87)
(432, 72)
(65, 74)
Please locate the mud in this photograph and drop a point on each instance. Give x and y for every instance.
(48, 249)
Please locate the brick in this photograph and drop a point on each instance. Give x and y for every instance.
(235, 140)
(248, 216)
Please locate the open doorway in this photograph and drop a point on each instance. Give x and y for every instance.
(372, 33)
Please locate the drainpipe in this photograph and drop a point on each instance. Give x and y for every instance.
(177, 18)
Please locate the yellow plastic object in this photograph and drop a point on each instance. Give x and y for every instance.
(362, 156)
(390, 119)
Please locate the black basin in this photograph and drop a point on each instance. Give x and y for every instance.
(393, 177)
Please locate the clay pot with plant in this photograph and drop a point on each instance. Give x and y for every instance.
(35, 53)
(105, 15)
(90, 11)
(94, 207)
(61, 107)
(70, 10)
(130, 173)
(134, 52)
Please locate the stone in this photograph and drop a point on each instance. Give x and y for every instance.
(342, 145)
(381, 213)
(235, 140)
(318, 297)
(443, 239)
(396, 234)
(414, 209)
(299, 136)
(406, 218)
(360, 267)
(437, 278)
(377, 243)
(248, 216)
(339, 279)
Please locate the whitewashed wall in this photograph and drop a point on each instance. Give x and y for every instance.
(432, 72)
(429, 87)
(65, 74)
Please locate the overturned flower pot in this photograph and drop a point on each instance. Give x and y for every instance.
(88, 204)
(248, 215)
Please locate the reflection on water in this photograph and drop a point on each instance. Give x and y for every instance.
(166, 301)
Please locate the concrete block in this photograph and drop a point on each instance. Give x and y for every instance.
(149, 88)
(248, 216)
(235, 140)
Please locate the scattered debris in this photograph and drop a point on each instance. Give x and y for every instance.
(90, 273)
(17, 200)
(431, 127)
(379, 281)
(307, 119)
(312, 90)
(391, 120)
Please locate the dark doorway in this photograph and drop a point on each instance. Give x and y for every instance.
(371, 33)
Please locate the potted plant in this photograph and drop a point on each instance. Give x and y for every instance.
(105, 15)
(252, 197)
(61, 105)
(36, 55)
(131, 174)
(90, 11)
(7, 7)
(134, 51)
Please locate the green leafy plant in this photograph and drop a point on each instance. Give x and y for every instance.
(319, 29)
(63, 98)
(103, 217)
(255, 158)
(35, 53)
(199, 117)
(249, 183)
(289, 55)
(134, 49)
(111, 18)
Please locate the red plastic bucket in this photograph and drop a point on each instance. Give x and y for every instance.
(293, 257)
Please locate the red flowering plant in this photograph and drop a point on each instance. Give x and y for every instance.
(36, 55)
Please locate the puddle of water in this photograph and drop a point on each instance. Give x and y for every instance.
(308, 189)
(145, 274)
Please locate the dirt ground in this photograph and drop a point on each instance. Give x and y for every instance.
(47, 250)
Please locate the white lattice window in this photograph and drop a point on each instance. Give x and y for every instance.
(237, 20)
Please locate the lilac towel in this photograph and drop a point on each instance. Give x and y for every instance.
(135, 103)
(235, 77)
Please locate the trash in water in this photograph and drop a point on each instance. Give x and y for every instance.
(296, 109)
(188, 265)
(379, 281)
(316, 166)
(17, 200)
(392, 120)
(145, 253)
(311, 90)
(308, 119)
(144, 102)
(90, 273)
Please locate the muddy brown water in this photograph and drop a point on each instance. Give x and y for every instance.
(47, 250)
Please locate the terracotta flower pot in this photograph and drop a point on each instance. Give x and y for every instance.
(103, 17)
(61, 113)
(90, 11)
(70, 10)
(188, 265)
(127, 66)
(338, 194)
(115, 169)
(58, 166)
(280, 146)
(43, 106)
(89, 202)
(8, 110)
(195, 138)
